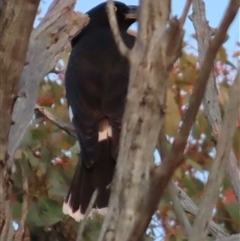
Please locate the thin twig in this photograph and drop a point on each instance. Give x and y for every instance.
(185, 12)
(67, 127)
(115, 29)
(20, 232)
(180, 214)
(83, 222)
(216, 176)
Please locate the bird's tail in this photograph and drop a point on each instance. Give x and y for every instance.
(87, 180)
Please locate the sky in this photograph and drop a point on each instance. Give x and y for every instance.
(214, 12)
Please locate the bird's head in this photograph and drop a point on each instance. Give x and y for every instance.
(126, 15)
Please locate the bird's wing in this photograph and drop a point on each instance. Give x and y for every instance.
(83, 95)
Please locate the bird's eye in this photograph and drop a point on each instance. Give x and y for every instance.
(115, 8)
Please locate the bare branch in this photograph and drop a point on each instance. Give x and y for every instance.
(177, 206)
(235, 237)
(216, 176)
(185, 12)
(181, 216)
(133, 170)
(175, 158)
(154, 53)
(20, 232)
(210, 101)
(180, 196)
(46, 42)
(88, 211)
(67, 127)
(190, 207)
(114, 26)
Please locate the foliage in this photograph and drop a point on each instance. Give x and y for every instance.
(48, 156)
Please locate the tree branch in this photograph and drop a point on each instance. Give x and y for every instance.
(88, 211)
(185, 12)
(13, 24)
(190, 207)
(186, 202)
(114, 26)
(162, 146)
(14, 39)
(151, 58)
(175, 158)
(177, 207)
(210, 101)
(46, 42)
(216, 176)
(235, 237)
(67, 127)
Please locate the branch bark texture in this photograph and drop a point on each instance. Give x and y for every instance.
(15, 32)
(24, 62)
(210, 101)
(179, 196)
(14, 39)
(204, 216)
(46, 43)
(190, 207)
(65, 126)
(151, 61)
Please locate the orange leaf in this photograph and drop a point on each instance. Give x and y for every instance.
(45, 101)
(229, 196)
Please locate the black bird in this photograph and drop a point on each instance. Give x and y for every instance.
(96, 87)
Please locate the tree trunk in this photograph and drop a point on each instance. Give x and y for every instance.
(14, 39)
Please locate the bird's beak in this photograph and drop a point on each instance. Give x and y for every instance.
(132, 12)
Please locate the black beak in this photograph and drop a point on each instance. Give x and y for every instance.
(132, 12)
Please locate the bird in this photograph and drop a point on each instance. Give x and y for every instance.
(96, 83)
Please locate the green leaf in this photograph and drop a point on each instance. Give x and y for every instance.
(193, 164)
(39, 134)
(48, 218)
(50, 205)
(28, 140)
(190, 185)
(33, 217)
(233, 211)
(57, 191)
(17, 210)
(34, 161)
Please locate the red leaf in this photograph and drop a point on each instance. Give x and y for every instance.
(229, 196)
(45, 101)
